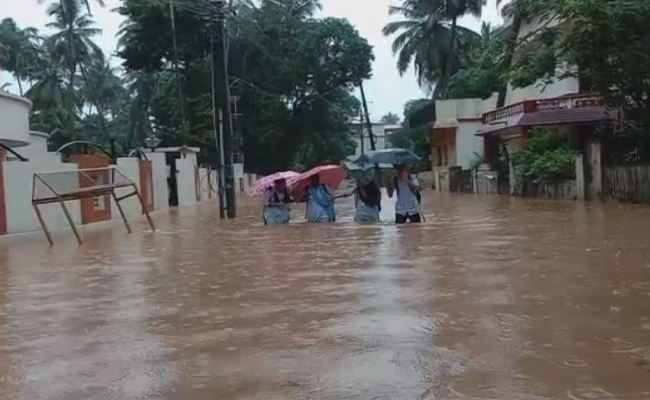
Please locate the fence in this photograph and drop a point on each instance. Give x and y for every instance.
(627, 183)
(561, 190)
(460, 180)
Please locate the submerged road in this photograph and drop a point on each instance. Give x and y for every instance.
(492, 298)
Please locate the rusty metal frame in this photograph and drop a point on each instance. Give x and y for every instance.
(100, 190)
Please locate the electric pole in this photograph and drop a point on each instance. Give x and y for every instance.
(371, 135)
(361, 139)
(221, 90)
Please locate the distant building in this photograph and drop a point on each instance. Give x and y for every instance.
(381, 132)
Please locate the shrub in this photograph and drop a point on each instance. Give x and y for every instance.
(546, 157)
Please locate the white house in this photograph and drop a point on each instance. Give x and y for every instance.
(465, 128)
(381, 132)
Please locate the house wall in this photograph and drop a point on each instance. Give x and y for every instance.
(17, 188)
(37, 146)
(594, 170)
(186, 178)
(130, 167)
(150, 176)
(160, 173)
(512, 146)
(463, 115)
(469, 147)
(14, 114)
(380, 133)
(539, 90)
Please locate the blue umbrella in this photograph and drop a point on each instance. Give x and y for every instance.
(362, 171)
(388, 156)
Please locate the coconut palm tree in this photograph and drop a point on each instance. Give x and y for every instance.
(48, 91)
(424, 41)
(70, 19)
(452, 10)
(101, 90)
(18, 51)
(72, 43)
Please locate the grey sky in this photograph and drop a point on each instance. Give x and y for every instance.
(386, 92)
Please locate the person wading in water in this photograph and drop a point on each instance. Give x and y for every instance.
(276, 204)
(367, 199)
(407, 188)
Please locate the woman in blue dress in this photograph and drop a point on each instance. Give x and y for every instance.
(276, 204)
(320, 201)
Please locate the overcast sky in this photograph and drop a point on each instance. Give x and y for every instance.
(386, 92)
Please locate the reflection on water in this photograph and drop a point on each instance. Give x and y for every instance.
(492, 298)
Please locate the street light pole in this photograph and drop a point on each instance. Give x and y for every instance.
(221, 90)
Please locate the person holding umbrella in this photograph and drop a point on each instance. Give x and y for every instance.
(367, 199)
(276, 203)
(316, 188)
(367, 193)
(320, 201)
(407, 188)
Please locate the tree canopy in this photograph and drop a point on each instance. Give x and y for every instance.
(429, 39)
(292, 74)
(390, 118)
(607, 41)
(483, 67)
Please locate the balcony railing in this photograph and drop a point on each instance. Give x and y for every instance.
(580, 100)
(568, 102)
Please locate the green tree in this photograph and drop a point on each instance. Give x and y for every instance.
(483, 68)
(18, 51)
(516, 12)
(608, 42)
(430, 40)
(390, 118)
(71, 45)
(292, 73)
(453, 10)
(413, 137)
(547, 157)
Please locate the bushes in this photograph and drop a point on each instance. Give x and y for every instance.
(546, 158)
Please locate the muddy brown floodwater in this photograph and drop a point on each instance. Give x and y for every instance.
(492, 298)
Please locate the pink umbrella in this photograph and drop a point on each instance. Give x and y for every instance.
(330, 175)
(265, 182)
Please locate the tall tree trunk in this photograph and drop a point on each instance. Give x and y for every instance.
(72, 64)
(450, 58)
(100, 110)
(512, 47)
(20, 87)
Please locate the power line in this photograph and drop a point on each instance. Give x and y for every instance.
(177, 72)
(204, 12)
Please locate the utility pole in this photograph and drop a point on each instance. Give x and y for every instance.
(361, 139)
(221, 89)
(371, 135)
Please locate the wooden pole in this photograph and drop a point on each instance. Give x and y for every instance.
(146, 211)
(46, 231)
(119, 208)
(71, 222)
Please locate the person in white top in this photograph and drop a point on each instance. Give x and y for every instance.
(407, 188)
(276, 204)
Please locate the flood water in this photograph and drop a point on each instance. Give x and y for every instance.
(491, 298)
